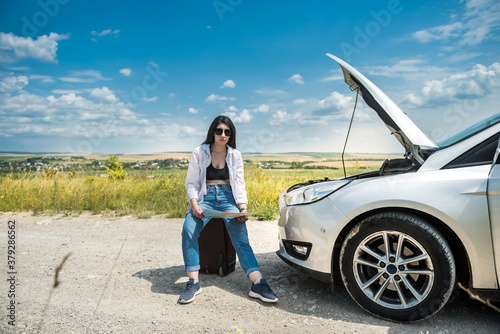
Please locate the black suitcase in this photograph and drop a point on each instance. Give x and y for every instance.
(217, 254)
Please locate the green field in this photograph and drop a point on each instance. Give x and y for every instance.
(148, 192)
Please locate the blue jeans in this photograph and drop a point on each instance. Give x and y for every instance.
(218, 197)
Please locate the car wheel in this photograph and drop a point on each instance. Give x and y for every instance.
(398, 267)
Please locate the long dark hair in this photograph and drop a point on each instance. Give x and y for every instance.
(211, 131)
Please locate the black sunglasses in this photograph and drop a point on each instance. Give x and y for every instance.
(227, 132)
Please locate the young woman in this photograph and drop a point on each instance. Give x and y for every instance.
(215, 181)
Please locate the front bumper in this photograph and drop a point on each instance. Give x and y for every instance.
(315, 224)
(324, 277)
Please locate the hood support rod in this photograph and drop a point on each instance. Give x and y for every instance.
(350, 124)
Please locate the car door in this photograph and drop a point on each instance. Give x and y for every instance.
(494, 207)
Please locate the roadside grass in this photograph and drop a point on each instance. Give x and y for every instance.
(140, 195)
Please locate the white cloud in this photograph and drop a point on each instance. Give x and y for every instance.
(193, 110)
(126, 114)
(482, 17)
(150, 99)
(87, 76)
(271, 92)
(412, 71)
(228, 84)
(126, 71)
(299, 101)
(104, 33)
(296, 78)
(337, 101)
(232, 109)
(20, 68)
(304, 119)
(335, 77)
(263, 108)
(171, 131)
(439, 33)
(189, 130)
(471, 27)
(214, 97)
(336, 107)
(70, 99)
(73, 109)
(104, 94)
(71, 115)
(462, 56)
(44, 48)
(44, 78)
(243, 117)
(401, 68)
(66, 91)
(281, 117)
(172, 96)
(476, 83)
(85, 116)
(13, 83)
(25, 104)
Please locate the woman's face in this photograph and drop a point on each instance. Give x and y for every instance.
(223, 138)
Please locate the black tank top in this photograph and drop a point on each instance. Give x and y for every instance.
(217, 174)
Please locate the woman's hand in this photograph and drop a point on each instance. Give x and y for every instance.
(197, 211)
(244, 218)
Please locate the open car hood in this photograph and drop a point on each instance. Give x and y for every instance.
(408, 134)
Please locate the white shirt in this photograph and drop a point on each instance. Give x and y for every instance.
(196, 178)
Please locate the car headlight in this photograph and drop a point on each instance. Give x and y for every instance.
(313, 192)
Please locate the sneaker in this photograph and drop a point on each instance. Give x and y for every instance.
(192, 289)
(263, 292)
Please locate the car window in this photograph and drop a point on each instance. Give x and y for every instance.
(481, 154)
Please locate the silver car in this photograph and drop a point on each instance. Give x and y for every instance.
(403, 237)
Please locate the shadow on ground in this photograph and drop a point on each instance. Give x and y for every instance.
(302, 295)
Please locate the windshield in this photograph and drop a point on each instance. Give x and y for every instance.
(470, 131)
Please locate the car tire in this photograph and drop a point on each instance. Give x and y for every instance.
(397, 266)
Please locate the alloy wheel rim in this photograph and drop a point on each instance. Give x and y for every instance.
(393, 269)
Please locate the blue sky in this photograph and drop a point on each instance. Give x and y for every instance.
(144, 77)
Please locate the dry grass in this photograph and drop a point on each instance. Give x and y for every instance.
(139, 196)
(62, 192)
(142, 196)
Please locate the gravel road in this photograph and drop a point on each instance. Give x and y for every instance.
(124, 275)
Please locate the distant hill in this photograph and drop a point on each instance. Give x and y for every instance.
(326, 158)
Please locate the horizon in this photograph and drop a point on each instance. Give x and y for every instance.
(189, 152)
(136, 79)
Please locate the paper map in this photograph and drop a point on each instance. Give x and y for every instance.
(209, 213)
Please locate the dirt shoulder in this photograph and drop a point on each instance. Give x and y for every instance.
(124, 275)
